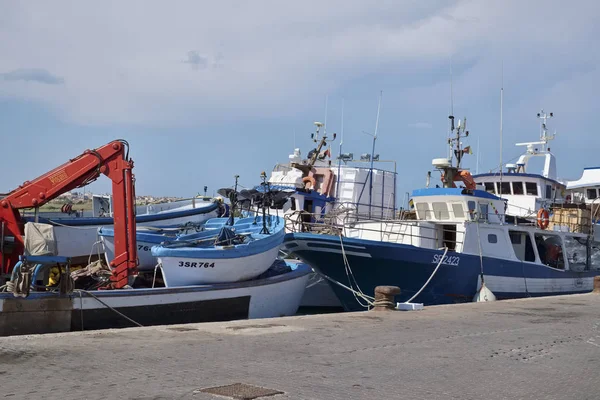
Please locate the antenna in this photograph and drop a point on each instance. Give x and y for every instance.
(451, 109)
(373, 152)
(501, 119)
(544, 129)
(337, 186)
(451, 90)
(477, 166)
(325, 124)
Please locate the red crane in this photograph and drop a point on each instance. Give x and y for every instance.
(111, 160)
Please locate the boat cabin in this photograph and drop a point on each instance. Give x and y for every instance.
(585, 190)
(317, 187)
(473, 222)
(527, 192)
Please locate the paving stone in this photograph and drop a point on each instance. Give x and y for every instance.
(544, 348)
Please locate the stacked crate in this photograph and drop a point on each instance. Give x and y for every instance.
(570, 219)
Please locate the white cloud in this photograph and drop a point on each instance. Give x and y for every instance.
(145, 62)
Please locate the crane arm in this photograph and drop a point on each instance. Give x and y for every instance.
(110, 160)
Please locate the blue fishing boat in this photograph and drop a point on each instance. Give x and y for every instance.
(233, 253)
(226, 250)
(455, 243)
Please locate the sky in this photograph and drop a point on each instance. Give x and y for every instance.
(203, 90)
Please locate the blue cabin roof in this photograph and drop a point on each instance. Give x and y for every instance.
(453, 192)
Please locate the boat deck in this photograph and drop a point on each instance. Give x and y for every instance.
(544, 348)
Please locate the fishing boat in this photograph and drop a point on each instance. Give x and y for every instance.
(455, 244)
(77, 236)
(146, 238)
(275, 293)
(233, 253)
(42, 292)
(527, 192)
(317, 190)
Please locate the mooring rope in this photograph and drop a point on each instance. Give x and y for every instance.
(109, 307)
(430, 278)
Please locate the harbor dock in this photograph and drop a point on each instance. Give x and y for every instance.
(536, 348)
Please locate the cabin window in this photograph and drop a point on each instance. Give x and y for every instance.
(521, 242)
(472, 208)
(504, 187)
(293, 203)
(577, 253)
(483, 208)
(531, 188)
(550, 250)
(517, 188)
(458, 210)
(492, 238)
(548, 191)
(592, 194)
(423, 210)
(490, 187)
(440, 210)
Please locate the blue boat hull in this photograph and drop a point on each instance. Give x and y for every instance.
(373, 263)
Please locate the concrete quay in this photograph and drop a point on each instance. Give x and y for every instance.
(542, 348)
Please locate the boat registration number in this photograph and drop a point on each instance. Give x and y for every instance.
(191, 264)
(141, 247)
(448, 260)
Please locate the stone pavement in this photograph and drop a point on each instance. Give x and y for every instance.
(519, 349)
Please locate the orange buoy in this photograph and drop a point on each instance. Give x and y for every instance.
(543, 218)
(309, 182)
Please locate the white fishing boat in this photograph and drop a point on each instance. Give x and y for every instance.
(42, 292)
(233, 253)
(274, 294)
(457, 243)
(527, 192)
(77, 236)
(319, 189)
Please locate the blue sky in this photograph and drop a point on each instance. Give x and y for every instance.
(204, 91)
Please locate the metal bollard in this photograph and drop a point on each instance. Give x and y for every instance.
(384, 298)
(596, 285)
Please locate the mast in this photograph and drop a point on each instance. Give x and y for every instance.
(477, 166)
(373, 154)
(501, 127)
(451, 112)
(337, 186)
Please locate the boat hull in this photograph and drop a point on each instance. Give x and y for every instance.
(147, 262)
(373, 263)
(76, 237)
(179, 271)
(269, 297)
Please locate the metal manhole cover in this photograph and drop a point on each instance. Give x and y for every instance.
(241, 391)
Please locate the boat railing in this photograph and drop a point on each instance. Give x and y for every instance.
(390, 230)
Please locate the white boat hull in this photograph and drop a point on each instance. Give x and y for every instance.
(46, 312)
(77, 241)
(147, 262)
(179, 271)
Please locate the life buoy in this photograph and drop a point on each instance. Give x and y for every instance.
(543, 218)
(309, 182)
